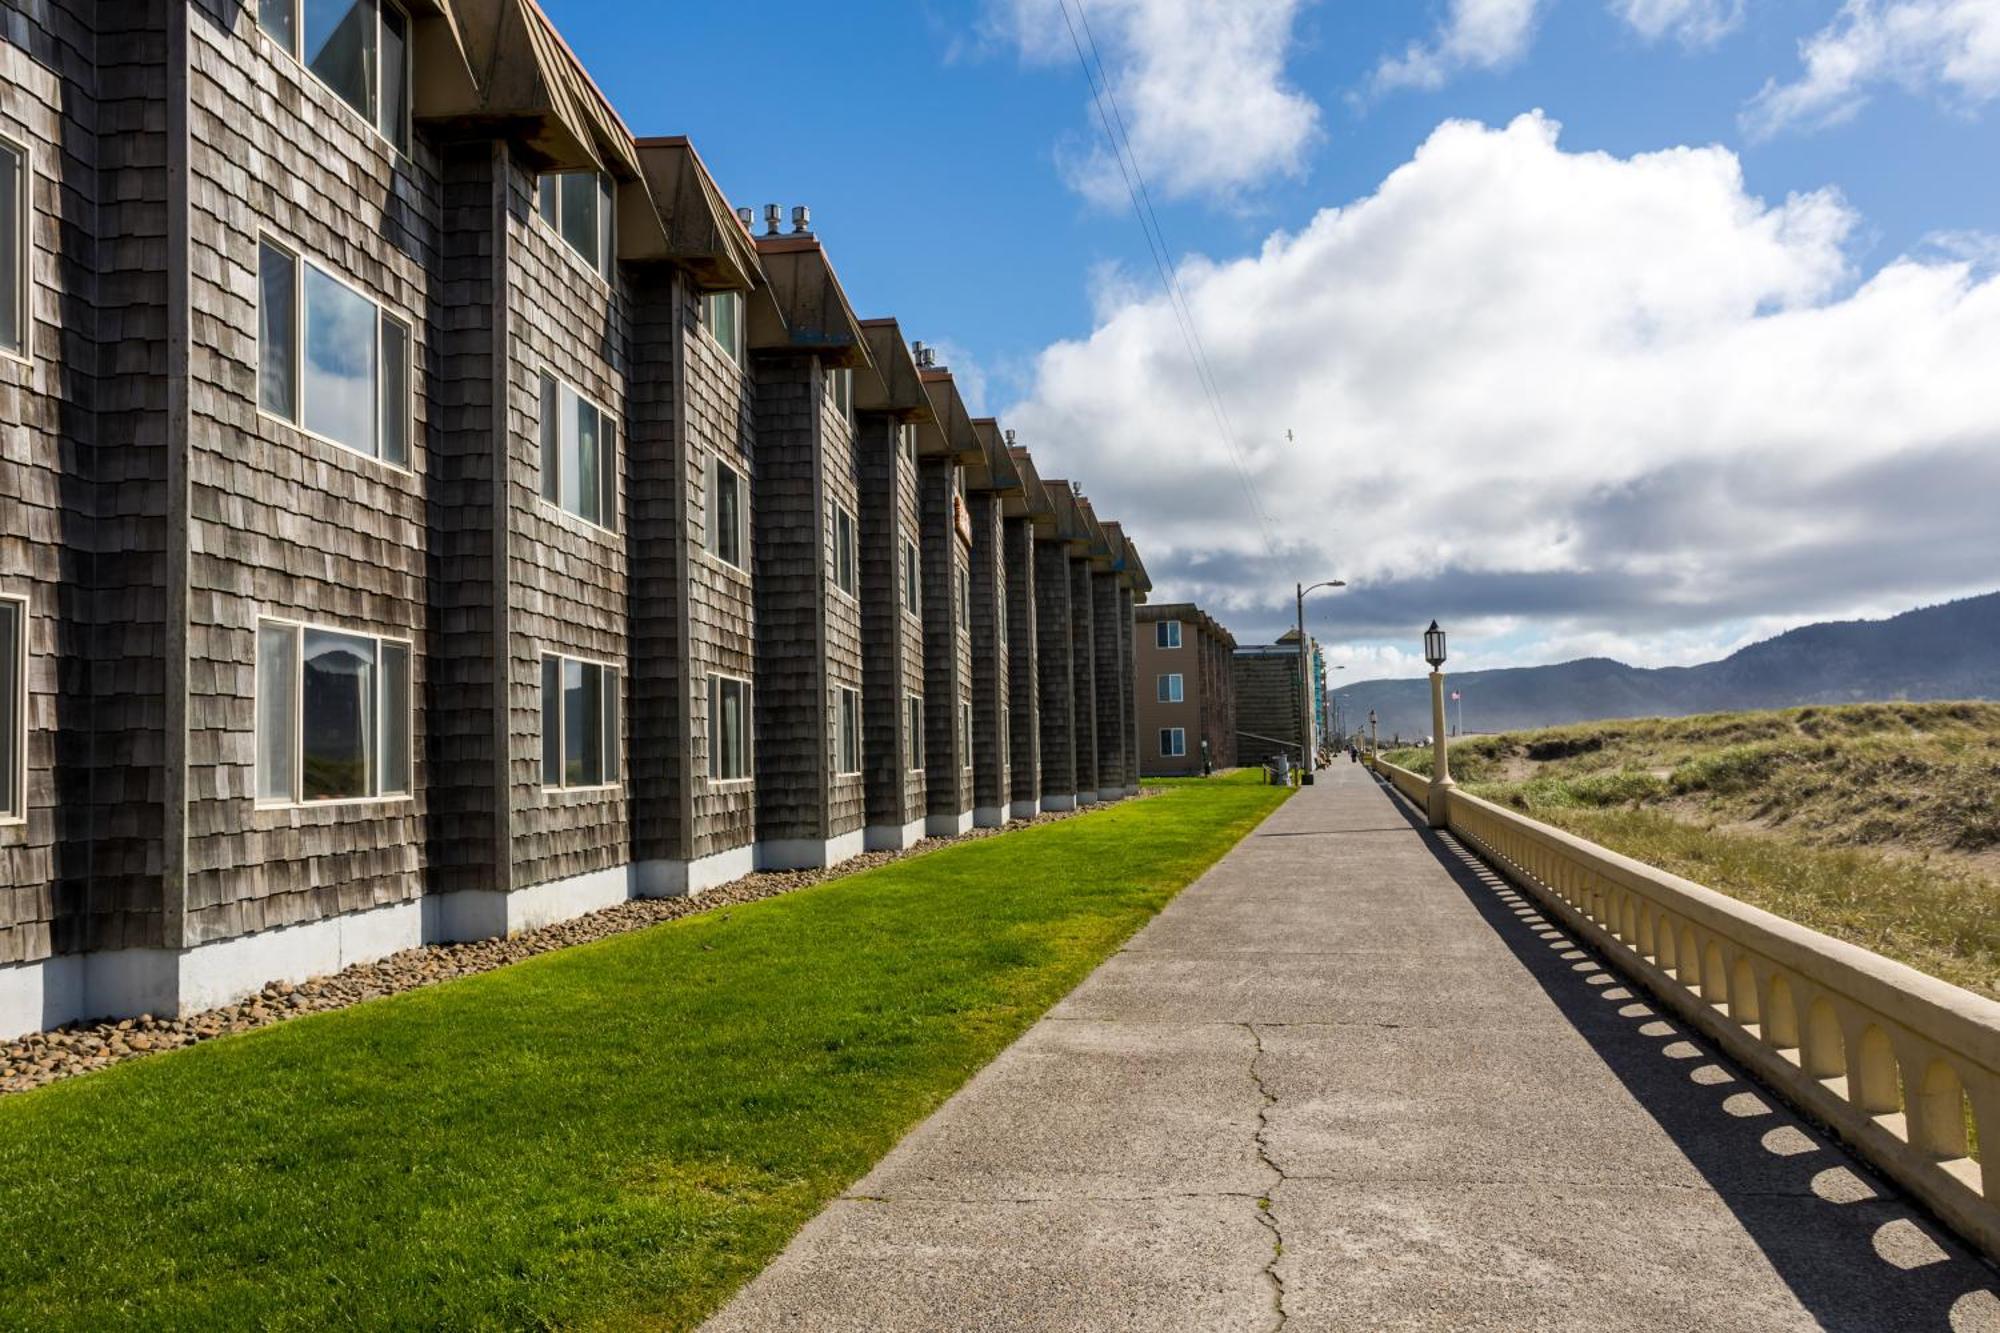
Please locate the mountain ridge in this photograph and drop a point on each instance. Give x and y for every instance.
(1950, 650)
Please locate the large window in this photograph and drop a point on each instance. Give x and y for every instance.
(579, 723)
(578, 205)
(579, 454)
(358, 48)
(965, 599)
(333, 715)
(722, 316)
(728, 516)
(913, 733)
(13, 708)
(1173, 742)
(330, 359)
(843, 550)
(847, 732)
(840, 388)
(913, 588)
(1170, 687)
(728, 728)
(1166, 634)
(15, 308)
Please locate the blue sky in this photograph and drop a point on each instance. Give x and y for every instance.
(934, 143)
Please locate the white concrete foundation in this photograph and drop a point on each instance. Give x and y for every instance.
(810, 853)
(1025, 809)
(1059, 803)
(1086, 798)
(990, 816)
(892, 837)
(948, 826)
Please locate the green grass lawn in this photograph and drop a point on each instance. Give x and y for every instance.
(616, 1135)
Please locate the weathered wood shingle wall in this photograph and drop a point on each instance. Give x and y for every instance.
(790, 589)
(1024, 741)
(947, 647)
(1111, 676)
(1055, 670)
(1083, 672)
(892, 638)
(991, 781)
(281, 522)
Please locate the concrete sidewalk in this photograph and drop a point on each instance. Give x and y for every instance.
(1350, 1080)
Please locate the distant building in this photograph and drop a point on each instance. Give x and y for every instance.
(1270, 697)
(1186, 691)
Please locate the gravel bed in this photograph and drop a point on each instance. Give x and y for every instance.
(77, 1048)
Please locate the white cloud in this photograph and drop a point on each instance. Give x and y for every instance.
(1572, 393)
(1951, 46)
(1200, 85)
(1475, 34)
(1692, 22)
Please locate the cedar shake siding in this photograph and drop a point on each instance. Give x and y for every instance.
(178, 843)
(1112, 678)
(1269, 699)
(1024, 740)
(1083, 675)
(1055, 674)
(992, 785)
(892, 636)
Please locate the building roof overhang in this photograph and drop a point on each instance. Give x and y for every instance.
(811, 308)
(892, 383)
(949, 433)
(1142, 582)
(1035, 502)
(1070, 527)
(1100, 544)
(995, 470)
(694, 225)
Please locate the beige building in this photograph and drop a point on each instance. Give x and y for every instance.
(1185, 692)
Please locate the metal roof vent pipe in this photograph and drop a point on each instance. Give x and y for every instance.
(801, 220)
(771, 215)
(924, 356)
(1009, 434)
(748, 217)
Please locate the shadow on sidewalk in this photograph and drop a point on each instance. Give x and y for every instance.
(1857, 1253)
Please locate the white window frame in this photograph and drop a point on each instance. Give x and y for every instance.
(612, 699)
(607, 225)
(906, 442)
(300, 259)
(965, 730)
(716, 679)
(297, 800)
(913, 580)
(374, 122)
(737, 348)
(913, 737)
(1170, 688)
(24, 267)
(609, 477)
(964, 598)
(846, 560)
(1160, 635)
(846, 730)
(14, 749)
(713, 546)
(1176, 747)
(840, 388)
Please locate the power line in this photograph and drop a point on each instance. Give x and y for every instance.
(1177, 302)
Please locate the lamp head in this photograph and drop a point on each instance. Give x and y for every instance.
(1434, 646)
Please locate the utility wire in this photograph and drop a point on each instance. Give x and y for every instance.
(1177, 303)
(1170, 273)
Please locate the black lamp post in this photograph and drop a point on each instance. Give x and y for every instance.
(1438, 806)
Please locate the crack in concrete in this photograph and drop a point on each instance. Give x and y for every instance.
(1267, 1207)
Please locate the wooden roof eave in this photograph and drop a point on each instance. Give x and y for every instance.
(995, 469)
(697, 228)
(810, 302)
(1142, 582)
(892, 383)
(949, 434)
(1035, 496)
(1070, 527)
(1100, 545)
(440, 66)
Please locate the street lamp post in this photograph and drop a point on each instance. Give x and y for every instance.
(1308, 743)
(1374, 741)
(1437, 807)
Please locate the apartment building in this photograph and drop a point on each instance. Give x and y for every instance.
(1186, 706)
(428, 511)
(1271, 700)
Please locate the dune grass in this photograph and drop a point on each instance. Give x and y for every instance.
(1874, 823)
(614, 1135)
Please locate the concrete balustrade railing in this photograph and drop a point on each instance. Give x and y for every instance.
(1903, 1067)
